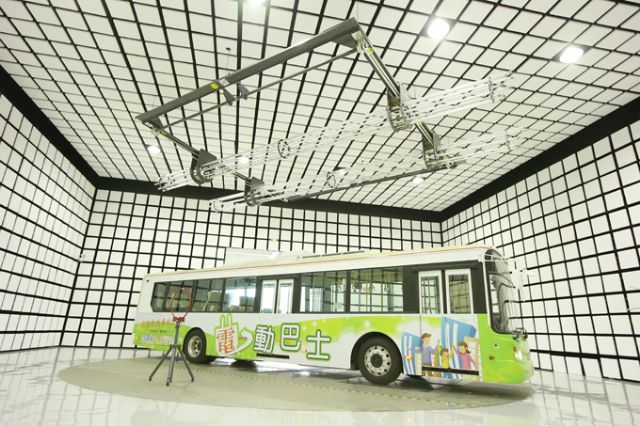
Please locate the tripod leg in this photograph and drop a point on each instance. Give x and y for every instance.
(164, 356)
(172, 364)
(186, 364)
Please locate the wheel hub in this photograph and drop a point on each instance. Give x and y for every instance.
(377, 360)
(194, 347)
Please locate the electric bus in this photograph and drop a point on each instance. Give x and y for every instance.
(446, 314)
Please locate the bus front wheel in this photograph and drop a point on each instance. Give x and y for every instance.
(195, 347)
(379, 361)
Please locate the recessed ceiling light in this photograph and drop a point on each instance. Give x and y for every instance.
(438, 29)
(243, 159)
(417, 180)
(571, 54)
(154, 149)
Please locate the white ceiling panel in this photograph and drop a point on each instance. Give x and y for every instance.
(92, 69)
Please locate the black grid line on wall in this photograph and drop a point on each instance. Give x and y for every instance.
(576, 225)
(44, 209)
(130, 235)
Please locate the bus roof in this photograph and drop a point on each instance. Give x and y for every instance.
(473, 252)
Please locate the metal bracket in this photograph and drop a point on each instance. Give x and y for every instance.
(284, 149)
(491, 87)
(396, 110)
(197, 162)
(244, 92)
(228, 96)
(430, 153)
(435, 165)
(430, 147)
(332, 181)
(155, 124)
(250, 189)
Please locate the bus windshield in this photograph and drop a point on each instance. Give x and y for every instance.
(504, 297)
(503, 304)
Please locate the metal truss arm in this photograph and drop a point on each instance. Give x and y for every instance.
(414, 111)
(401, 165)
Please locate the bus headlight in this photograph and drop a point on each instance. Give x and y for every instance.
(518, 355)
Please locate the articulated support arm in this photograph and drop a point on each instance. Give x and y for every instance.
(414, 111)
(402, 113)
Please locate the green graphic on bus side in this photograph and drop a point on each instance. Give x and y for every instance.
(229, 338)
(310, 337)
(318, 339)
(265, 339)
(157, 335)
(491, 354)
(290, 337)
(498, 352)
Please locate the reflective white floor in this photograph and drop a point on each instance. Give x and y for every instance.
(31, 393)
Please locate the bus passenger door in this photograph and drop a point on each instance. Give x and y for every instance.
(268, 296)
(276, 296)
(430, 292)
(460, 327)
(459, 291)
(276, 299)
(284, 297)
(431, 309)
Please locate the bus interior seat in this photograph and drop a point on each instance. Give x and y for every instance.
(211, 297)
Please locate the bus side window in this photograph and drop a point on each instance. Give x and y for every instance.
(177, 300)
(376, 290)
(323, 291)
(459, 285)
(207, 295)
(158, 297)
(168, 296)
(239, 294)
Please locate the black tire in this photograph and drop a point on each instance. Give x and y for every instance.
(195, 347)
(379, 361)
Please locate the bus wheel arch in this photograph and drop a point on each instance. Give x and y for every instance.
(194, 347)
(377, 346)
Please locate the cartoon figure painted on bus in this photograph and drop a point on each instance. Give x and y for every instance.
(445, 362)
(429, 353)
(439, 347)
(459, 335)
(466, 360)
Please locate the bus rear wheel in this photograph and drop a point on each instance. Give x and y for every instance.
(379, 361)
(195, 348)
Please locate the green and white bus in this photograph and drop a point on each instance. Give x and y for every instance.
(444, 313)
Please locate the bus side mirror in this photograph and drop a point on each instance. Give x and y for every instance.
(517, 279)
(519, 273)
(520, 277)
(516, 273)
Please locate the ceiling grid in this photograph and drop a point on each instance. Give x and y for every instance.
(91, 67)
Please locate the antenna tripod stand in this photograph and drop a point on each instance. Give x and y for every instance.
(174, 349)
